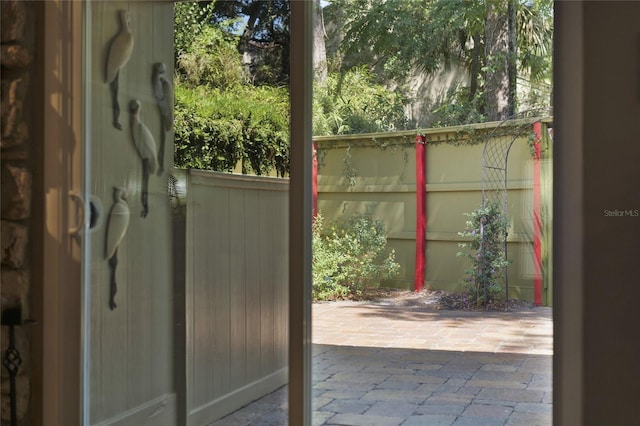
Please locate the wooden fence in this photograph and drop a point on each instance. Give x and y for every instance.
(378, 171)
(236, 297)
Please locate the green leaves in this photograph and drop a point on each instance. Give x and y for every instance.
(353, 103)
(221, 120)
(349, 256)
(487, 229)
(218, 130)
(212, 60)
(401, 35)
(456, 108)
(396, 38)
(190, 19)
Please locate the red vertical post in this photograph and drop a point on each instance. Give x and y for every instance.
(537, 219)
(314, 180)
(421, 212)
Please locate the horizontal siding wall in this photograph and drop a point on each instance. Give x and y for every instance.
(377, 171)
(454, 187)
(236, 291)
(383, 180)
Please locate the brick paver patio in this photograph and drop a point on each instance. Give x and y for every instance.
(387, 365)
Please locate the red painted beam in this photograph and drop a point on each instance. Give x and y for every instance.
(537, 219)
(314, 180)
(421, 212)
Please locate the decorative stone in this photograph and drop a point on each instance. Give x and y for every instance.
(15, 56)
(14, 239)
(15, 155)
(14, 16)
(15, 285)
(13, 92)
(19, 137)
(22, 402)
(16, 192)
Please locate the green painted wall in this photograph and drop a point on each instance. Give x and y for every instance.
(378, 170)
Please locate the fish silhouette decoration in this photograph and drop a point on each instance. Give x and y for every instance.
(120, 50)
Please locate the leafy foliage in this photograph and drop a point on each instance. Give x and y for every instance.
(263, 34)
(270, 17)
(428, 34)
(381, 33)
(189, 21)
(395, 38)
(353, 103)
(349, 256)
(456, 108)
(487, 229)
(221, 119)
(215, 129)
(326, 265)
(212, 60)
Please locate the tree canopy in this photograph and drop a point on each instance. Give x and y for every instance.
(499, 42)
(224, 117)
(232, 70)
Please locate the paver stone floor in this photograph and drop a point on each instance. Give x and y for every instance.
(376, 364)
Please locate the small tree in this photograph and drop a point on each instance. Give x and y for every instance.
(221, 119)
(487, 229)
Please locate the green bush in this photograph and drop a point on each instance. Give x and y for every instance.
(189, 21)
(353, 102)
(215, 129)
(349, 257)
(212, 60)
(487, 229)
(456, 108)
(221, 119)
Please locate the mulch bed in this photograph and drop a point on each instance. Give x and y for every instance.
(437, 299)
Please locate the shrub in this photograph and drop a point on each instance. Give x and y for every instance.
(353, 102)
(349, 257)
(326, 261)
(455, 108)
(216, 129)
(487, 229)
(221, 119)
(212, 60)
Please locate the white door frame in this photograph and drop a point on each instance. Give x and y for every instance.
(57, 255)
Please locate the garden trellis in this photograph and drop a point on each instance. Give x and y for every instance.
(495, 159)
(356, 171)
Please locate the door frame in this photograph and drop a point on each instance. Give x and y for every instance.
(56, 342)
(300, 212)
(57, 252)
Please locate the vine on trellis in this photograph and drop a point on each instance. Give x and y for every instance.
(487, 229)
(458, 136)
(349, 170)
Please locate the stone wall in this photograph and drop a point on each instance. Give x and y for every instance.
(17, 28)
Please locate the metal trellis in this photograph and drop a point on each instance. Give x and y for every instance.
(495, 159)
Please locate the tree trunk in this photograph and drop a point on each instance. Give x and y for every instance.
(475, 67)
(496, 46)
(513, 58)
(319, 49)
(243, 43)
